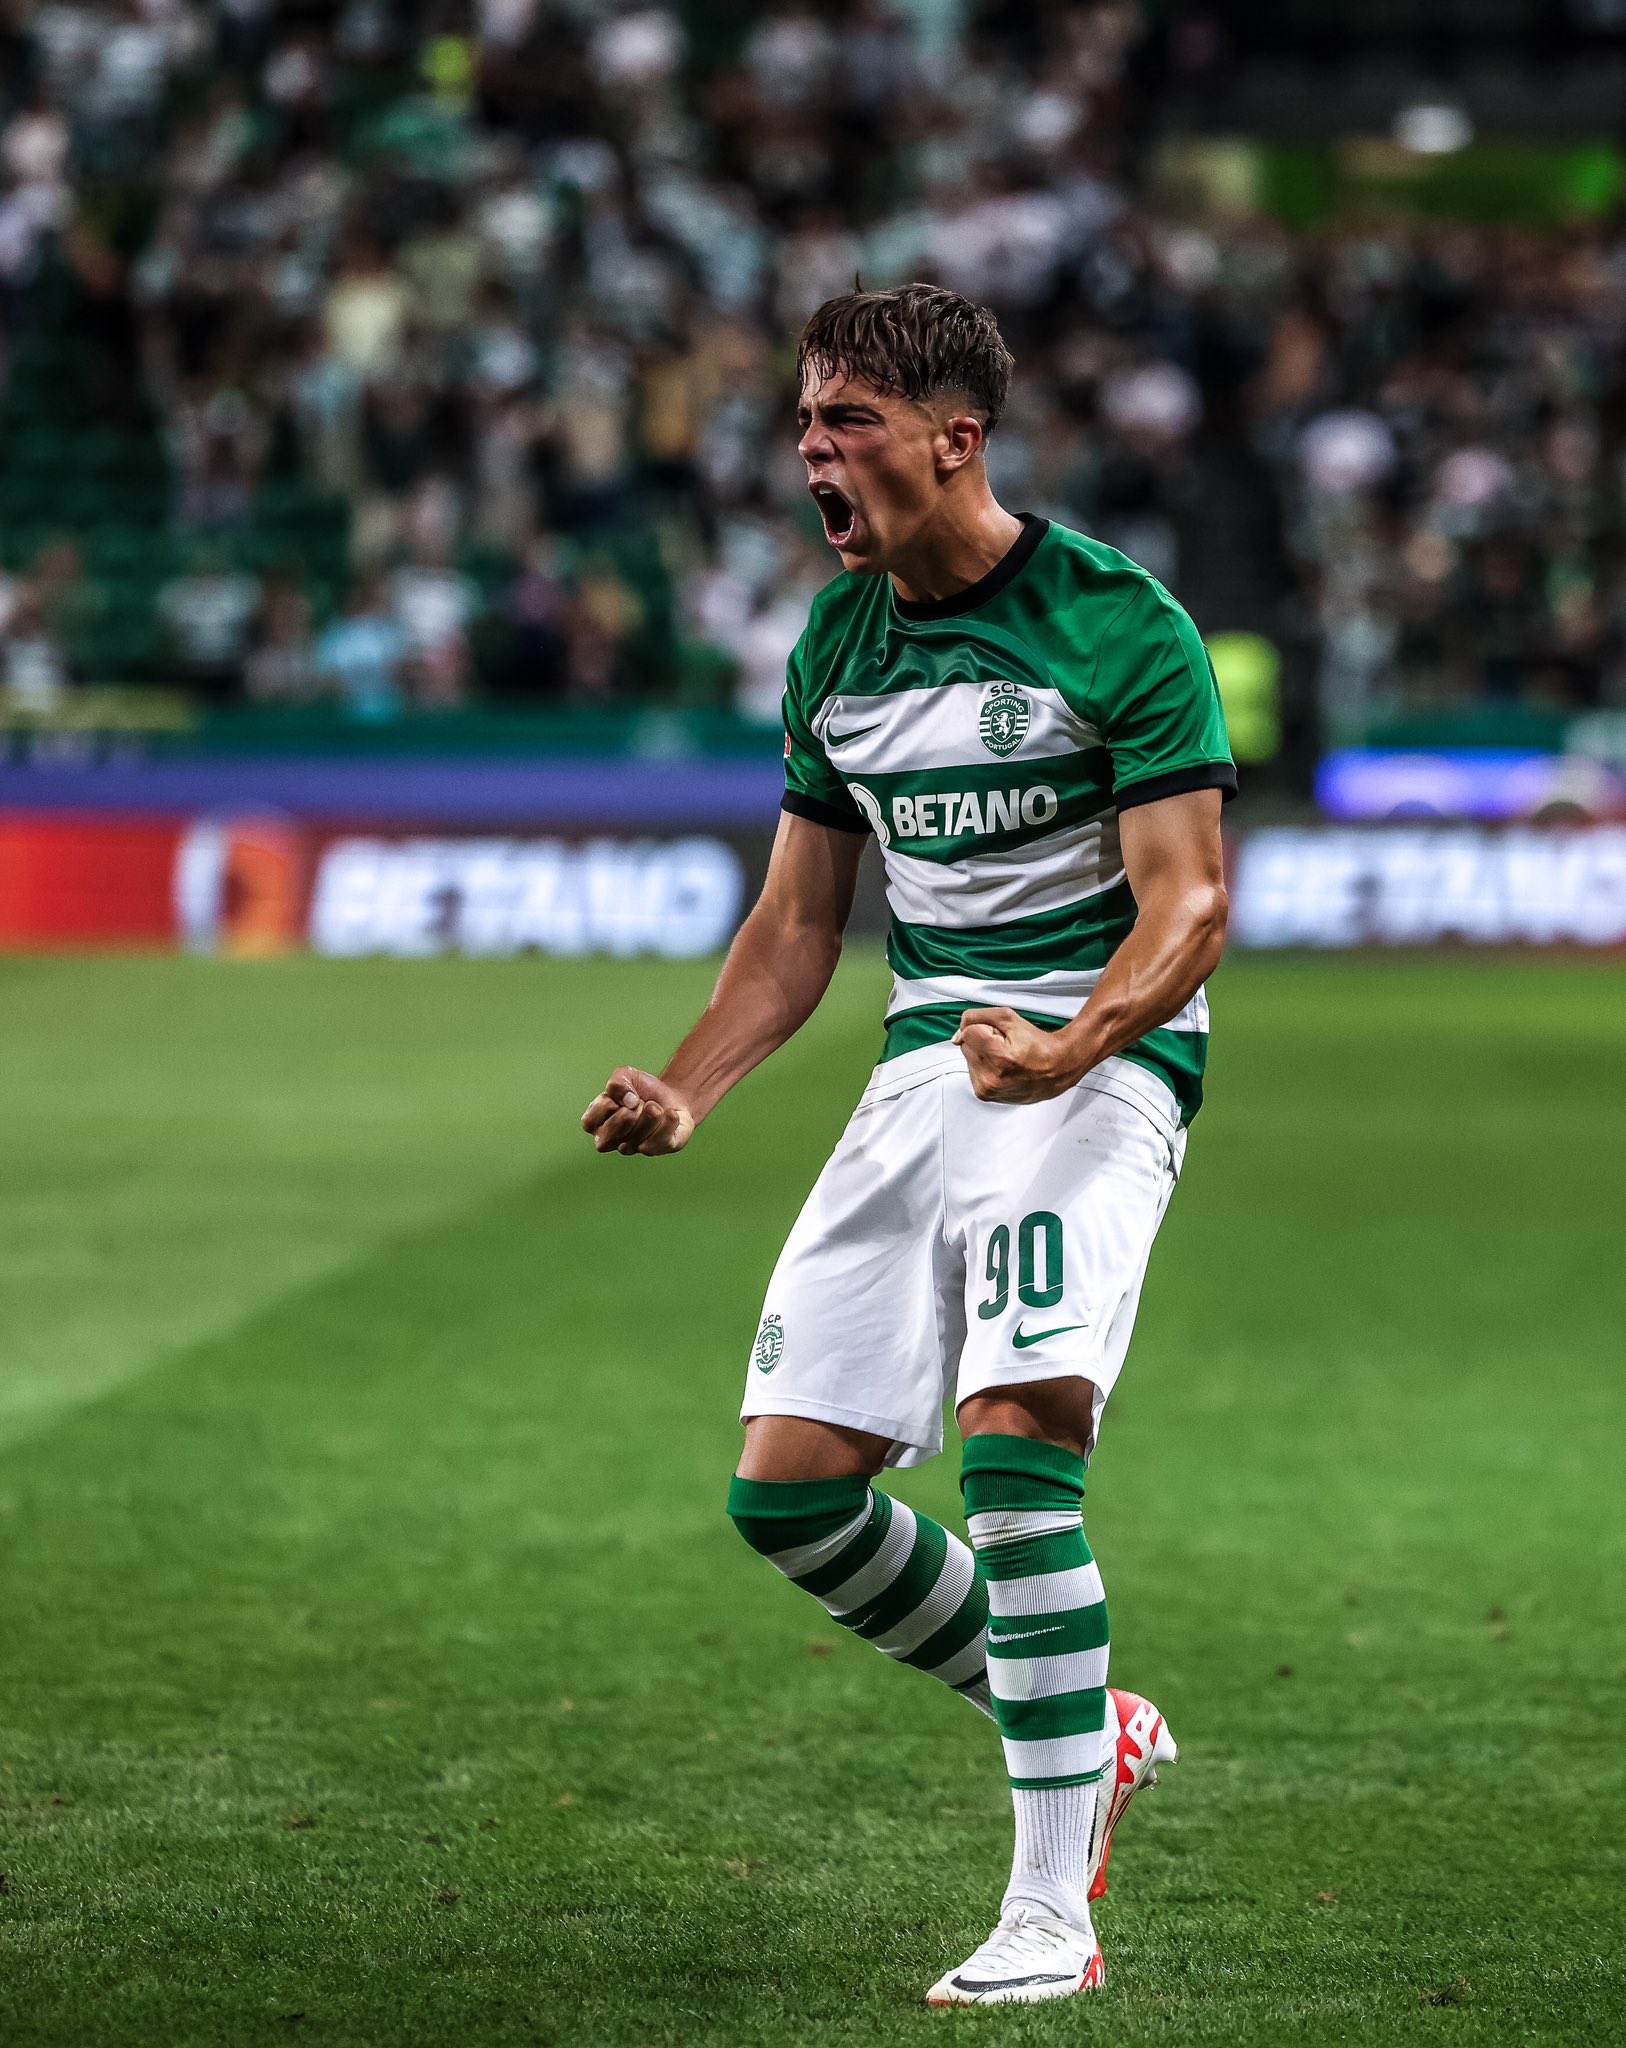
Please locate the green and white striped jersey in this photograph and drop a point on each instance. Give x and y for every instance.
(990, 742)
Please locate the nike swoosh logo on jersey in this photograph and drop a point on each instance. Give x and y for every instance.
(840, 739)
(1020, 1340)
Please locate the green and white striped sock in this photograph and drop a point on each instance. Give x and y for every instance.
(893, 1576)
(1047, 1658)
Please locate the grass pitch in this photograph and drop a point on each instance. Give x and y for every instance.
(377, 1666)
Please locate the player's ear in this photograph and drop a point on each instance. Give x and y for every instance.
(960, 439)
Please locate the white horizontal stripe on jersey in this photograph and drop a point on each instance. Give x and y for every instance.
(1063, 994)
(1063, 867)
(1059, 995)
(916, 731)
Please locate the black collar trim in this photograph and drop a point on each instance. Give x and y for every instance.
(1010, 565)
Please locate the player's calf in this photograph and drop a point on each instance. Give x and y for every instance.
(1048, 1646)
(881, 1569)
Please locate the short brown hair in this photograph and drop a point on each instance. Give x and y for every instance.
(918, 342)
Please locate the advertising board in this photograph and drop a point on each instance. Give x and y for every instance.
(67, 880)
(262, 885)
(1370, 786)
(1420, 885)
(255, 885)
(677, 898)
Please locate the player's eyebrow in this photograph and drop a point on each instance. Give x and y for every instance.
(841, 412)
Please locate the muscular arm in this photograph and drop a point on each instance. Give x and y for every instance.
(777, 969)
(1173, 857)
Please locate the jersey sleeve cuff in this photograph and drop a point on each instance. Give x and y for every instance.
(1218, 775)
(809, 807)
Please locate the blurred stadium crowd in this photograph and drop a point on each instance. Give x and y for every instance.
(402, 356)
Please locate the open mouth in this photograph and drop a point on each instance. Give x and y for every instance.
(834, 510)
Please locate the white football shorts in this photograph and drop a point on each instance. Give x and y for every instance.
(953, 1246)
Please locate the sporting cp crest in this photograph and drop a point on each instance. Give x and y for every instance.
(1006, 713)
(770, 1343)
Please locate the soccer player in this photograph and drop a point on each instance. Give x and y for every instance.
(1028, 726)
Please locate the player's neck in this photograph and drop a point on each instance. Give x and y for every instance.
(956, 550)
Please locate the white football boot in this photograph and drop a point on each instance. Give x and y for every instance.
(1029, 1957)
(1138, 1740)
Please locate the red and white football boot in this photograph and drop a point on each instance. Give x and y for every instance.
(1141, 1743)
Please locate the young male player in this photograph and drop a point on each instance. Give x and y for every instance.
(1028, 725)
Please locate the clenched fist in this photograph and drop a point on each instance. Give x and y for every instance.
(1010, 1059)
(637, 1112)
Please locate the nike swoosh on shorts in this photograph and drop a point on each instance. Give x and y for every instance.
(1020, 1341)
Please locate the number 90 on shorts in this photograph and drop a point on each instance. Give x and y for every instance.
(952, 1246)
(1038, 1264)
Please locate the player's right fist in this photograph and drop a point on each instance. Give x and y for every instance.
(637, 1112)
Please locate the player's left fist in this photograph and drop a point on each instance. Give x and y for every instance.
(1010, 1059)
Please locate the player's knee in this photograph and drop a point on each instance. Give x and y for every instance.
(744, 1503)
(1060, 1412)
(758, 1530)
(775, 1515)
